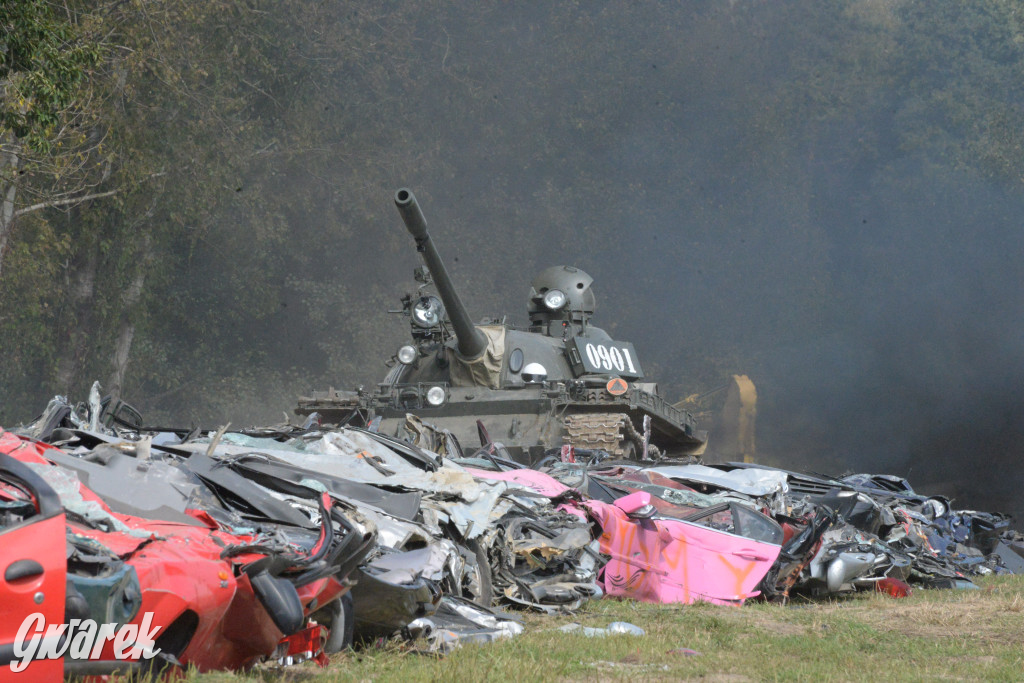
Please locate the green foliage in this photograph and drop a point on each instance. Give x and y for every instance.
(45, 61)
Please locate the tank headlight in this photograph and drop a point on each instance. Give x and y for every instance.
(427, 312)
(406, 355)
(435, 396)
(554, 299)
(534, 372)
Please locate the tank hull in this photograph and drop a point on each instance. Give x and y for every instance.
(528, 421)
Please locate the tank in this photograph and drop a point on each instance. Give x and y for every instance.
(559, 381)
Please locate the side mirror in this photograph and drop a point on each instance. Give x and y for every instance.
(636, 505)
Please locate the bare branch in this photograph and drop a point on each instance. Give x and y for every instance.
(61, 202)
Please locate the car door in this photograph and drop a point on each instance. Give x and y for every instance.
(704, 558)
(33, 568)
(725, 551)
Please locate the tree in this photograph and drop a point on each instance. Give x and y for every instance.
(50, 144)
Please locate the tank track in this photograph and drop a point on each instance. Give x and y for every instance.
(606, 431)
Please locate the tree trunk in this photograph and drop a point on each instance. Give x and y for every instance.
(10, 163)
(126, 334)
(122, 349)
(79, 327)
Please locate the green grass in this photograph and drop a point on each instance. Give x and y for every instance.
(944, 635)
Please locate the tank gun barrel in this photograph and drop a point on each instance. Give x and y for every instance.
(472, 342)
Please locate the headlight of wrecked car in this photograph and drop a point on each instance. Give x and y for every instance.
(427, 311)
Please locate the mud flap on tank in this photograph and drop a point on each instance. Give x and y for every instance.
(611, 432)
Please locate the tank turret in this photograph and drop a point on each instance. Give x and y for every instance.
(559, 381)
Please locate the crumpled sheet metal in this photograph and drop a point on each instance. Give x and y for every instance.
(150, 488)
(95, 513)
(662, 560)
(547, 563)
(752, 486)
(848, 559)
(457, 622)
(752, 481)
(663, 488)
(430, 438)
(537, 556)
(382, 607)
(867, 528)
(425, 557)
(532, 480)
(182, 570)
(546, 560)
(451, 493)
(672, 561)
(403, 579)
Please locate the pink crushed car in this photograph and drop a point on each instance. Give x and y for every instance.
(717, 554)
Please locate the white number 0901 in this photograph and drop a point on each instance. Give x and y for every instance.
(601, 356)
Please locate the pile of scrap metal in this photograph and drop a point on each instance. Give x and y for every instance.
(219, 584)
(291, 543)
(269, 544)
(810, 534)
(658, 550)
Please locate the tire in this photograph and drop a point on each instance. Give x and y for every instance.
(342, 626)
(483, 568)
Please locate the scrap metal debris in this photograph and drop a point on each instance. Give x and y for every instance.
(614, 628)
(286, 544)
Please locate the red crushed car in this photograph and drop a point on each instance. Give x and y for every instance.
(214, 599)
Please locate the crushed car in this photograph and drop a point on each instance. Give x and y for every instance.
(219, 589)
(289, 543)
